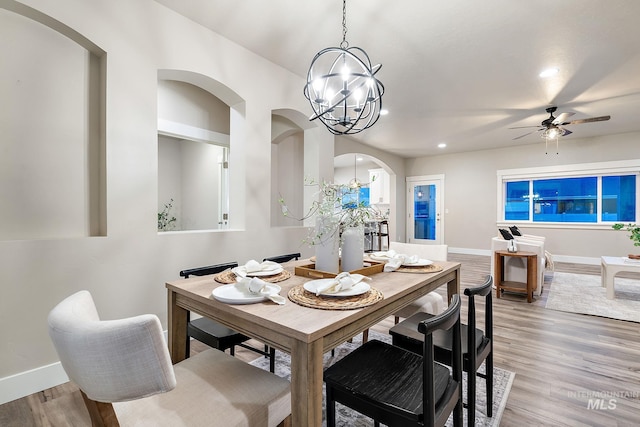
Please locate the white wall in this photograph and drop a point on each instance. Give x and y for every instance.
(471, 194)
(127, 268)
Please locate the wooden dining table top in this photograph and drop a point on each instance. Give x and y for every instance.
(305, 333)
(296, 321)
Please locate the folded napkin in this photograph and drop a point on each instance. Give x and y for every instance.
(400, 259)
(254, 266)
(256, 286)
(386, 254)
(341, 282)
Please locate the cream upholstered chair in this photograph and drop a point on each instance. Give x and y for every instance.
(432, 302)
(126, 377)
(515, 269)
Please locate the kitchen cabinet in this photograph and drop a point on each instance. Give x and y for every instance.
(379, 187)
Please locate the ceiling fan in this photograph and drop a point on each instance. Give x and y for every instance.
(552, 127)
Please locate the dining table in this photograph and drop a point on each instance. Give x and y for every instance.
(304, 332)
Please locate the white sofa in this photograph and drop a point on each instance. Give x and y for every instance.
(515, 269)
(432, 302)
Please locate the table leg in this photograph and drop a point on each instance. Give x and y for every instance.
(177, 325)
(532, 275)
(453, 287)
(306, 383)
(610, 278)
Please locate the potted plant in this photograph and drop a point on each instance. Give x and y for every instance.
(166, 221)
(634, 235)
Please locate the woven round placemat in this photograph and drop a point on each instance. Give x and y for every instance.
(229, 277)
(305, 298)
(431, 268)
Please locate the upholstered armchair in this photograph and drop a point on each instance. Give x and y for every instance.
(124, 372)
(515, 269)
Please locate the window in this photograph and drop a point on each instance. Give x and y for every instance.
(549, 196)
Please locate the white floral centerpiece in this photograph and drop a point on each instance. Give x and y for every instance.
(340, 219)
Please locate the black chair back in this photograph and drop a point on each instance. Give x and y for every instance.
(283, 258)
(449, 320)
(211, 269)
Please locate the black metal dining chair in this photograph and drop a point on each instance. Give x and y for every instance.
(215, 334)
(404, 336)
(397, 387)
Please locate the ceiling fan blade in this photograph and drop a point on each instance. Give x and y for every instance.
(526, 134)
(564, 132)
(562, 117)
(524, 127)
(589, 120)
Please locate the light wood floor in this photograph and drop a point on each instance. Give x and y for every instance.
(560, 360)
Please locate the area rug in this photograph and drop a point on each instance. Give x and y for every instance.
(583, 294)
(345, 417)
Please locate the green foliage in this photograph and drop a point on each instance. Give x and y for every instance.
(329, 204)
(633, 229)
(166, 221)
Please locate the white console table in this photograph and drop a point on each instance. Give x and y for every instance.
(612, 265)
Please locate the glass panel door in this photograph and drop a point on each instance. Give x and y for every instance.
(424, 224)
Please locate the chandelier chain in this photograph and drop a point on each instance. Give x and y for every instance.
(344, 44)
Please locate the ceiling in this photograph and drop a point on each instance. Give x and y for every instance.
(458, 72)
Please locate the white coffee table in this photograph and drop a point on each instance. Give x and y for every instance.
(612, 265)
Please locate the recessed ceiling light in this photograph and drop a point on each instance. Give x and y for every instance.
(442, 145)
(359, 158)
(549, 72)
(384, 112)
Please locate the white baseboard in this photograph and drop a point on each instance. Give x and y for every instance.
(556, 258)
(25, 383)
(576, 259)
(467, 251)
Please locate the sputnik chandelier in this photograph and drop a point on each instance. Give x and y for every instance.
(342, 88)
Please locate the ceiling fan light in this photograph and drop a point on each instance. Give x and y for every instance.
(548, 72)
(551, 133)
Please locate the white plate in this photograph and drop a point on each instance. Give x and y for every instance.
(357, 289)
(420, 263)
(276, 270)
(231, 295)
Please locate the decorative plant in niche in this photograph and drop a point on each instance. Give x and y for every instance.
(166, 221)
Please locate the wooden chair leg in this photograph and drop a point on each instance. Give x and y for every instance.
(272, 359)
(330, 408)
(472, 379)
(286, 422)
(396, 320)
(489, 384)
(101, 413)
